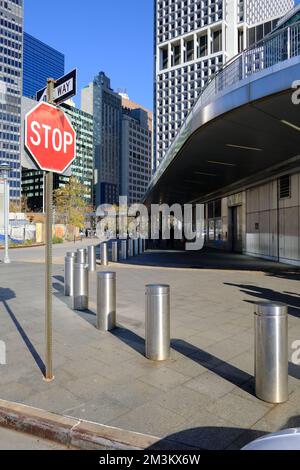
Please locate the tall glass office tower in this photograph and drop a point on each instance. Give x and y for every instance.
(40, 62)
(193, 40)
(11, 46)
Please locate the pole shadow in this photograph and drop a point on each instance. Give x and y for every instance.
(5, 296)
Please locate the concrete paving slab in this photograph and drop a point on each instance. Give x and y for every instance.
(106, 378)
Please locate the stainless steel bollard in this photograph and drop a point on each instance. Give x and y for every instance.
(81, 256)
(271, 352)
(106, 301)
(141, 246)
(104, 254)
(81, 287)
(130, 248)
(136, 246)
(92, 258)
(115, 252)
(157, 335)
(69, 274)
(124, 253)
(144, 244)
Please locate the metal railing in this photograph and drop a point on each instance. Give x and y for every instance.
(273, 49)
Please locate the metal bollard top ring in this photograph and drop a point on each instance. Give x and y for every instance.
(271, 309)
(157, 289)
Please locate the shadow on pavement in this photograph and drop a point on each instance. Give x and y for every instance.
(216, 438)
(262, 293)
(5, 296)
(208, 438)
(130, 339)
(219, 367)
(211, 258)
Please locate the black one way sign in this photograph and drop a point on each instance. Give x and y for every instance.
(64, 88)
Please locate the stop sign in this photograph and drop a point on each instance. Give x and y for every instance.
(50, 138)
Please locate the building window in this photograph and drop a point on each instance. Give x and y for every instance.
(189, 50)
(241, 40)
(164, 58)
(202, 51)
(285, 187)
(176, 55)
(216, 41)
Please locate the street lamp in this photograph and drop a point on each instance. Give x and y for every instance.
(4, 170)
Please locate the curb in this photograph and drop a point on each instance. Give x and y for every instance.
(68, 431)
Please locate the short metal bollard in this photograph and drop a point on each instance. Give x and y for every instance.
(81, 256)
(271, 352)
(104, 254)
(115, 252)
(136, 246)
(124, 252)
(130, 248)
(106, 301)
(141, 246)
(92, 258)
(158, 342)
(81, 287)
(69, 274)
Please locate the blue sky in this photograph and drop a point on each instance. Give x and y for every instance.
(115, 36)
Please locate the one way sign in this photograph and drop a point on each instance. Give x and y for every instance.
(64, 88)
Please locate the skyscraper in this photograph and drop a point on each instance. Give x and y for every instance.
(11, 46)
(99, 99)
(193, 40)
(40, 62)
(136, 154)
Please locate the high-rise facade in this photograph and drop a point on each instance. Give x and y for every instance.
(40, 62)
(135, 154)
(100, 100)
(11, 48)
(193, 40)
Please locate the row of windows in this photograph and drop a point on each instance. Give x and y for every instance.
(191, 49)
(11, 25)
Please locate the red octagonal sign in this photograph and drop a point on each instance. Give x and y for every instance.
(50, 138)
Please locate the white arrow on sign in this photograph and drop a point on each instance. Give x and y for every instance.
(64, 88)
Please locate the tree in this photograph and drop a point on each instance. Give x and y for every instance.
(70, 204)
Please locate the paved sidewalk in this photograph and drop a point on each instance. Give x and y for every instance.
(11, 440)
(202, 397)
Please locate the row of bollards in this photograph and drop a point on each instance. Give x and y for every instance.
(271, 320)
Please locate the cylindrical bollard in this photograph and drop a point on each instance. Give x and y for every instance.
(81, 256)
(115, 252)
(130, 248)
(124, 253)
(136, 246)
(271, 352)
(157, 335)
(106, 301)
(81, 287)
(144, 244)
(92, 258)
(69, 274)
(104, 254)
(141, 246)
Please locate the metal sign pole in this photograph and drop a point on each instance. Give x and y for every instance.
(48, 259)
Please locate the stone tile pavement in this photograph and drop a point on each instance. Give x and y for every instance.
(202, 397)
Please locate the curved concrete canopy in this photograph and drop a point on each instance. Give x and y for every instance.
(248, 130)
